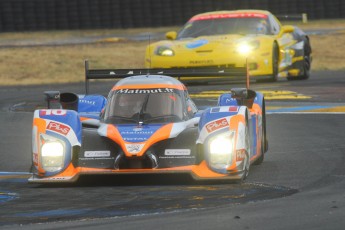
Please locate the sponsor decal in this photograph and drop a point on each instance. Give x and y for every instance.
(103, 153)
(240, 154)
(197, 43)
(56, 112)
(231, 15)
(176, 157)
(87, 102)
(138, 129)
(217, 124)
(144, 91)
(135, 139)
(134, 148)
(137, 132)
(230, 100)
(201, 62)
(177, 152)
(58, 127)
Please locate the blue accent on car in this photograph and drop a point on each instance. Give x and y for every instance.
(68, 117)
(196, 44)
(209, 115)
(91, 103)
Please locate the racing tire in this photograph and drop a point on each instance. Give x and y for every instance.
(264, 144)
(275, 63)
(306, 63)
(247, 160)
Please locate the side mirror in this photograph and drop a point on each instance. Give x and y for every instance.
(244, 96)
(286, 29)
(171, 35)
(53, 99)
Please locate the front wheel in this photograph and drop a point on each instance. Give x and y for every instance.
(246, 164)
(263, 137)
(275, 62)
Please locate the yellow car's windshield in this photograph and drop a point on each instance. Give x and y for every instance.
(220, 26)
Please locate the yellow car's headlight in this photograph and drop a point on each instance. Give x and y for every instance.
(164, 51)
(247, 47)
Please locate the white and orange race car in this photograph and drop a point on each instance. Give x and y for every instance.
(148, 124)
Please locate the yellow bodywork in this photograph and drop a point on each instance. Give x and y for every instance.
(226, 50)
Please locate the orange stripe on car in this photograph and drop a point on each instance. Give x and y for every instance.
(41, 128)
(161, 134)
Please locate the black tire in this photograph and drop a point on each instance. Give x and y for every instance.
(306, 63)
(247, 162)
(264, 144)
(275, 62)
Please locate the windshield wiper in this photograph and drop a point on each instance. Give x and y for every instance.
(141, 113)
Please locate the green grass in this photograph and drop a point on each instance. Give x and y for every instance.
(62, 64)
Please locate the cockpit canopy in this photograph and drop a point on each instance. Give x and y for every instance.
(145, 105)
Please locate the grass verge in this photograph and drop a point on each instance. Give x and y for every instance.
(63, 64)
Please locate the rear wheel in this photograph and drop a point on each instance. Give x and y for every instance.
(306, 63)
(306, 68)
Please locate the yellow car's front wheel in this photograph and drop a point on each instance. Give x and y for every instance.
(275, 62)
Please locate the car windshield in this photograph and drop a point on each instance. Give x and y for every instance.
(220, 26)
(144, 105)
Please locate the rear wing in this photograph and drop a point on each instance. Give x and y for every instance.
(172, 72)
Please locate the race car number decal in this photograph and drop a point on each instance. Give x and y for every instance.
(58, 127)
(218, 124)
(56, 112)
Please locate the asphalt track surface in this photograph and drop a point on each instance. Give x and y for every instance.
(300, 184)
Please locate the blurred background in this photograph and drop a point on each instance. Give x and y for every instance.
(34, 15)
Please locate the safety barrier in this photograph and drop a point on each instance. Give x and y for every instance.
(33, 15)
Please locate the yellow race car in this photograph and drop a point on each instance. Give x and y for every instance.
(252, 38)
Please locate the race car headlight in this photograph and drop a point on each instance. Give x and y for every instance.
(164, 51)
(52, 155)
(247, 47)
(220, 150)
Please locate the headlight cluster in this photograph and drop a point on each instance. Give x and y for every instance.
(220, 149)
(246, 47)
(52, 154)
(164, 51)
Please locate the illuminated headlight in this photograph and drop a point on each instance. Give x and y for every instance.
(164, 51)
(52, 155)
(247, 47)
(221, 149)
